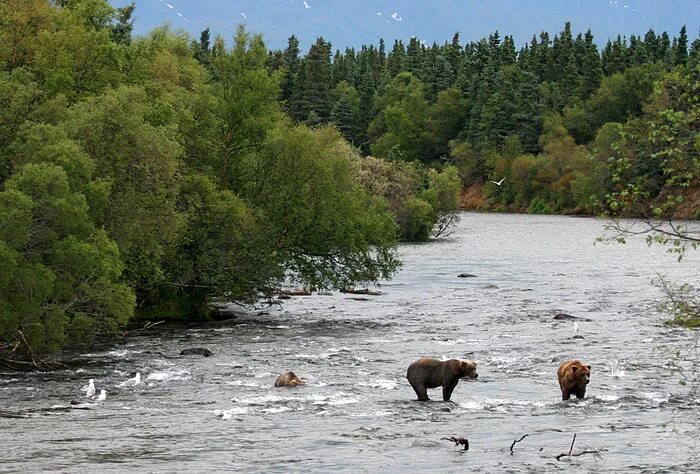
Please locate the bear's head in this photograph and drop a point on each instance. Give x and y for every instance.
(582, 373)
(467, 369)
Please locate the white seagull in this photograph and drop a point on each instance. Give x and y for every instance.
(306, 5)
(396, 16)
(498, 183)
(243, 15)
(132, 381)
(575, 328)
(103, 396)
(90, 389)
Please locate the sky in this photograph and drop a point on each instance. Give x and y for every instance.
(356, 22)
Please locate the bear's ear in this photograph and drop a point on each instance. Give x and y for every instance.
(588, 367)
(574, 368)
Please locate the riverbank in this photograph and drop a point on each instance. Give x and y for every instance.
(474, 199)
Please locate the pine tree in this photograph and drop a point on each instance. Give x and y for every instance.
(291, 64)
(694, 55)
(413, 57)
(680, 51)
(651, 45)
(315, 85)
(591, 67)
(121, 31)
(395, 59)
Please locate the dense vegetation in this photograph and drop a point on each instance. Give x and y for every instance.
(569, 127)
(140, 177)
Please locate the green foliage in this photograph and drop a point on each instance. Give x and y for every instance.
(443, 196)
(416, 219)
(57, 267)
(345, 114)
(657, 157)
(140, 161)
(324, 228)
(402, 119)
(539, 206)
(408, 188)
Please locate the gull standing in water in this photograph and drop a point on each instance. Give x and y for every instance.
(90, 389)
(103, 396)
(575, 329)
(132, 381)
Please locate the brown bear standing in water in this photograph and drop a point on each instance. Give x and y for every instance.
(288, 379)
(431, 373)
(573, 378)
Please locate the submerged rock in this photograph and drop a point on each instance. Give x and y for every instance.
(566, 316)
(466, 275)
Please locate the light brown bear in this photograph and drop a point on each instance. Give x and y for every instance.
(288, 379)
(431, 373)
(573, 378)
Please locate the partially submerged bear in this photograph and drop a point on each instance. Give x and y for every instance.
(573, 378)
(428, 373)
(196, 351)
(288, 379)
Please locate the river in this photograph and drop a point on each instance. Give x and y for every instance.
(357, 412)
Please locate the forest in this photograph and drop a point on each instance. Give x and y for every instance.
(141, 177)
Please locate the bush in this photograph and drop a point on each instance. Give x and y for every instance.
(416, 219)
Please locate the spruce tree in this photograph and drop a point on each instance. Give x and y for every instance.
(680, 52)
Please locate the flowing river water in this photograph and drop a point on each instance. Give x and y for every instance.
(357, 412)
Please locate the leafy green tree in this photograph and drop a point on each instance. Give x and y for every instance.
(26, 21)
(19, 95)
(401, 120)
(77, 58)
(61, 276)
(247, 95)
(140, 161)
(215, 254)
(658, 155)
(316, 220)
(445, 120)
(443, 195)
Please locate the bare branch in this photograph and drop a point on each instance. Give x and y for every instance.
(517, 441)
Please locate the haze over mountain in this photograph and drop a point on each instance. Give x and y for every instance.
(356, 22)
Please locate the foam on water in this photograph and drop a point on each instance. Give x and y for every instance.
(167, 375)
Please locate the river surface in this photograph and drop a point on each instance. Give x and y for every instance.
(357, 412)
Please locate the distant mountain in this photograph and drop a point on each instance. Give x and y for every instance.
(357, 22)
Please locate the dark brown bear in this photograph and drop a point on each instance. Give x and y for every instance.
(288, 379)
(431, 373)
(573, 378)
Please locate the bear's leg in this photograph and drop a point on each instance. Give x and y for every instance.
(581, 393)
(565, 395)
(447, 390)
(421, 391)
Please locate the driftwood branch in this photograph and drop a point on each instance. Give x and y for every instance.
(517, 441)
(29, 360)
(572, 454)
(459, 441)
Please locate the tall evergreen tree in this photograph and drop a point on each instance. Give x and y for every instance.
(680, 51)
(291, 64)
